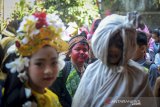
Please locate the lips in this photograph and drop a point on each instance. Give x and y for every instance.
(48, 78)
(81, 57)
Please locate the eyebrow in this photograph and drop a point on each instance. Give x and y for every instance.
(43, 59)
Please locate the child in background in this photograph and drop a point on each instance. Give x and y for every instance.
(156, 43)
(154, 68)
(140, 55)
(36, 62)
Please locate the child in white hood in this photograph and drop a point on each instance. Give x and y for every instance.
(114, 78)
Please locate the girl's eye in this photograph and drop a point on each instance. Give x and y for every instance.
(77, 49)
(39, 64)
(85, 50)
(54, 63)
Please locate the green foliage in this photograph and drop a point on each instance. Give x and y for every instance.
(3, 25)
(21, 9)
(109, 3)
(80, 11)
(156, 3)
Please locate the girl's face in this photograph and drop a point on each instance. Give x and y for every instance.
(43, 68)
(115, 50)
(79, 54)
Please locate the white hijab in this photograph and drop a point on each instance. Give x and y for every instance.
(102, 85)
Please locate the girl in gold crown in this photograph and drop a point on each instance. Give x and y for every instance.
(37, 63)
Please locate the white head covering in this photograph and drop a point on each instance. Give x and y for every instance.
(100, 84)
(108, 28)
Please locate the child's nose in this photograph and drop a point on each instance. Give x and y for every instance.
(48, 70)
(81, 51)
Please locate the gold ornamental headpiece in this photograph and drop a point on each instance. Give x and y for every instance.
(40, 29)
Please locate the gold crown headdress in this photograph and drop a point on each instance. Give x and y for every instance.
(38, 30)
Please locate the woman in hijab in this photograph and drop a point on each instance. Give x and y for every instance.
(114, 80)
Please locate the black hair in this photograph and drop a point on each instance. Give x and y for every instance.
(141, 38)
(156, 31)
(96, 24)
(1, 54)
